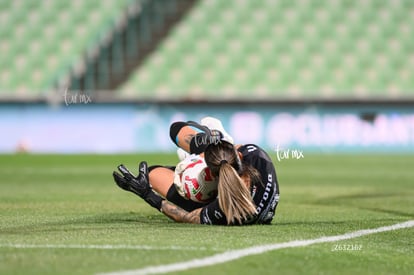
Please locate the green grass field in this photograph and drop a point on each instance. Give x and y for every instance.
(62, 214)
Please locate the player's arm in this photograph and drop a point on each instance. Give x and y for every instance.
(180, 215)
(140, 186)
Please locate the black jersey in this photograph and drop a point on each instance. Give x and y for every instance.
(265, 193)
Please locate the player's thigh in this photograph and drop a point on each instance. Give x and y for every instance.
(161, 179)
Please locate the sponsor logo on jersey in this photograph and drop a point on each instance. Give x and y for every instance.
(267, 192)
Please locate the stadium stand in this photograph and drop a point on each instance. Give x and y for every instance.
(236, 49)
(40, 41)
(283, 49)
(135, 35)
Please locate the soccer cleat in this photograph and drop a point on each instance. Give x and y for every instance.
(215, 124)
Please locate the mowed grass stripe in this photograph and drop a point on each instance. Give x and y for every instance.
(102, 246)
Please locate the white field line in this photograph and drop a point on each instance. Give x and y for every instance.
(254, 250)
(102, 247)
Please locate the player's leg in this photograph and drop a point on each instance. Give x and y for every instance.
(161, 179)
(183, 137)
(183, 133)
(193, 137)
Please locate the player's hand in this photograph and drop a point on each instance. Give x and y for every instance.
(127, 181)
(138, 185)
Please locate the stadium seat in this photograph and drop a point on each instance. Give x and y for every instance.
(275, 49)
(44, 39)
(291, 48)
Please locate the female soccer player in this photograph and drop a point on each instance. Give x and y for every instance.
(248, 190)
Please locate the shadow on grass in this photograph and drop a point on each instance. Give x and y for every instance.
(359, 196)
(389, 211)
(358, 200)
(338, 223)
(136, 221)
(98, 222)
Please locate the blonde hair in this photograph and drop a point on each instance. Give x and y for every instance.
(233, 194)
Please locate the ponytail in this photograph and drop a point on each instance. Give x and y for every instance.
(234, 197)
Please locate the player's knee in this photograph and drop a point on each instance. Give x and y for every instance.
(175, 129)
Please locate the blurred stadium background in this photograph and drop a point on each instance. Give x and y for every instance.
(110, 76)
